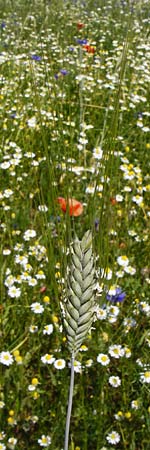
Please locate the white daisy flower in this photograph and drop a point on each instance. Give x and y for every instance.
(48, 329)
(89, 363)
(12, 442)
(77, 366)
(6, 358)
(114, 381)
(90, 189)
(21, 259)
(31, 122)
(59, 364)
(112, 290)
(103, 359)
(116, 351)
(145, 377)
(101, 314)
(119, 198)
(44, 441)
(37, 308)
(6, 251)
(113, 437)
(31, 388)
(5, 165)
(113, 310)
(98, 153)
(123, 261)
(127, 352)
(40, 275)
(135, 404)
(32, 282)
(138, 199)
(33, 328)
(47, 359)
(144, 307)
(29, 234)
(14, 292)
(130, 270)
(2, 446)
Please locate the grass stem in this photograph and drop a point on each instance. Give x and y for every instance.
(69, 404)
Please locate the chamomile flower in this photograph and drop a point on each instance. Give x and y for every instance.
(2, 446)
(33, 329)
(77, 366)
(89, 363)
(5, 165)
(123, 261)
(135, 404)
(6, 358)
(37, 308)
(98, 153)
(114, 381)
(21, 259)
(14, 292)
(101, 313)
(138, 199)
(103, 359)
(44, 441)
(145, 377)
(145, 308)
(116, 351)
(29, 234)
(113, 437)
(127, 352)
(47, 359)
(59, 364)
(32, 282)
(130, 270)
(32, 122)
(11, 443)
(10, 280)
(48, 329)
(6, 251)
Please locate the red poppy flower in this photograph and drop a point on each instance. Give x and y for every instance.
(75, 207)
(113, 201)
(80, 25)
(43, 289)
(89, 48)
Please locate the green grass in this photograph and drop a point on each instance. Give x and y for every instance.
(51, 122)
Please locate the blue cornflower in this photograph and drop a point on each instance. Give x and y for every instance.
(3, 25)
(119, 296)
(36, 58)
(64, 71)
(82, 41)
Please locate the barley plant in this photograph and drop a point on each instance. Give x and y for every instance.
(75, 156)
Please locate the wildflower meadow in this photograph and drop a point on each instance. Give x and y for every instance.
(75, 224)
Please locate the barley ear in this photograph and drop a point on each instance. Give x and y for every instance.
(80, 292)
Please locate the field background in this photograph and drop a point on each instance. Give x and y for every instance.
(75, 123)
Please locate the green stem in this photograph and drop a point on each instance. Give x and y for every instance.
(69, 403)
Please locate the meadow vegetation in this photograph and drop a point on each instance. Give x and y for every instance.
(75, 124)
